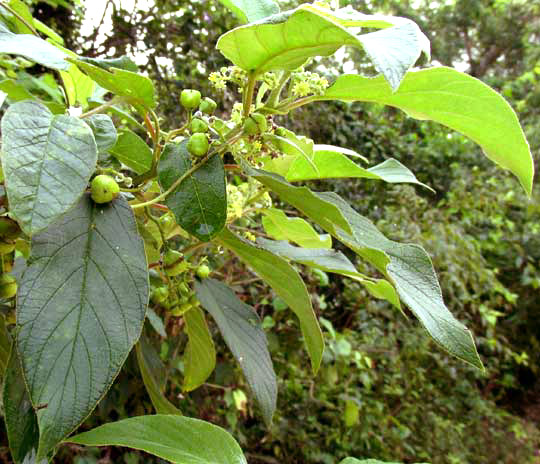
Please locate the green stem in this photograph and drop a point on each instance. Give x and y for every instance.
(101, 108)
(248, 93)
(273, 98)
(20, 18)
(297, 103)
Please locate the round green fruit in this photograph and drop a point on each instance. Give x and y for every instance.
(104, 189)
(8, 286)
(198, 144)
(6, 247)
(190, 98)
(203, 271)
(255, 124)
(167, 223)
(160, 295)
(198, 126)
(208, 106)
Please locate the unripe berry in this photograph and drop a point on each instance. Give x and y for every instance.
(8, 286)
(208, 106)
(160, 295)
(190, 98)
(255, 124)
(198, 125)
(203, 271)
(6, 247)
(198, 144)
(104, 189)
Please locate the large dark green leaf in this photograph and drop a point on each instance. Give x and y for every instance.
(47, 162)
(241, 328)
(81, 308)
(19, 416)
(456, 100)
(200, 355)
(249, 11)
(104, 131)
(33, 48)
(286, 282)
(131, 150)
(409, 267)
(287, 40)
(180, 440)
(200, 201)
(153, 375)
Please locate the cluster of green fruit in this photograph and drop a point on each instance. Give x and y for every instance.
(198, 143)
(9, 232)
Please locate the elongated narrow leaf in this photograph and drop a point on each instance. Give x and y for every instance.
(47, 162)
(200, 357)
(410, 269)
(104, 131)
(33, 48)
(19, 416)
(123, 62)
(136, 88)
(131, 150)
(249, 11)
(22, 10)
(180, 440)
(200, 202)
(286, 282)
(151, 368)
(81, 308)
(279, 226)
(335, 262)
(456, 100)
(302, 198)
(242, 331)
(333, 164)
(287, 40)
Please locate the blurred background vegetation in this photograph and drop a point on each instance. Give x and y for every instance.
(384, 390)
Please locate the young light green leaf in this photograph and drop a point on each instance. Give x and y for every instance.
(16, 92)
(200, 202)
(132, 151)
(79, 87)
(22, 10)
(297, 230)
(456, 100)
(136, 88)
(200, 355)
(19, 415)
(334, 164)
(287, 40)
(410, 269)
(286, 283)
(249, 11)
(180, 440)
(33, 48)
(242, 331)
(104, 131)
(153, 374)
(47, 161)
(302, 199)
(335, 262)
(123, 62)
(81, 308)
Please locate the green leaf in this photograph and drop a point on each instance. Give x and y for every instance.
(286, 283)
(33, 48)
(180, 440)
(279, 226)
(122, 62)
(312, 205)
(241, 328)
(19, 7)
(79, 87)
(293, 147)
(81, 308)
(156, 322)
(5, 347)
(456, 100)
(287, 40)
(334, 164)
(200, 201)
(15, 91)
(410, 269)
(104, 131)
(153, 374)
(249, 11)
(136, 88)
(47, 161)
(132, 151)
(19, 416)
(335, 262)
(200, 355)
(46, 30)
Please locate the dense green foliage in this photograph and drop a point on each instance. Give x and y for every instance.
(383, 389)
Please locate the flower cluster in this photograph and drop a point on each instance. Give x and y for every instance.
(306, 83)
(232, 74)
